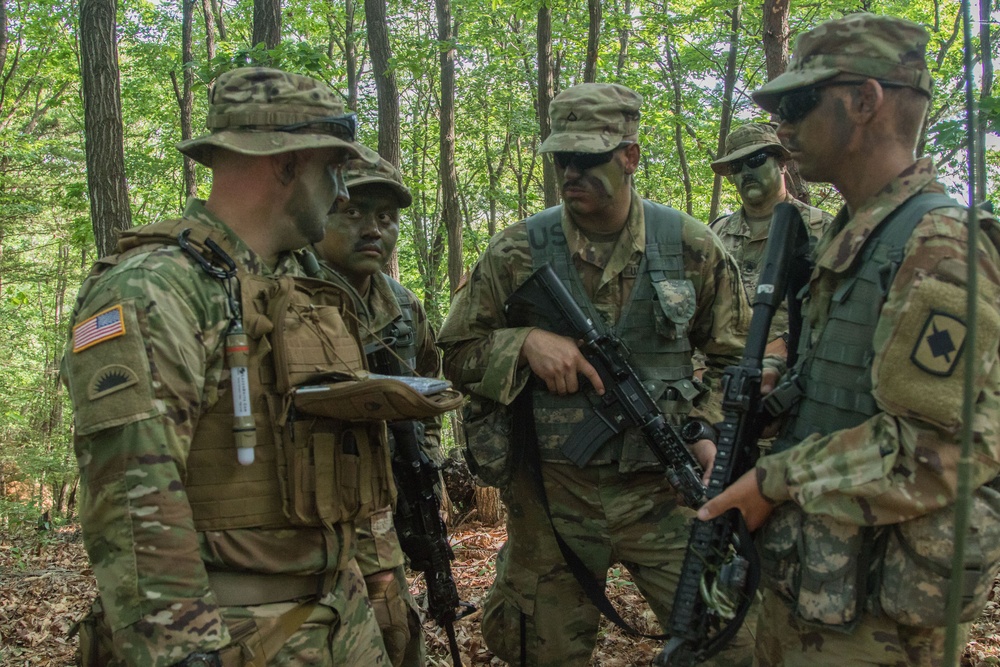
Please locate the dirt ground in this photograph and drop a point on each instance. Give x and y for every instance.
(46, 584)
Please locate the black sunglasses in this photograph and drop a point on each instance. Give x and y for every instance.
(582, 161)
(753, 161)
(796, 105)
(343, 127)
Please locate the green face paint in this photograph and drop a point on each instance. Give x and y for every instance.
(757, 186)
(610, 175)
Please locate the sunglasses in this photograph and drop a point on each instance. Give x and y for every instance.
(798, 104)
(753, 161)
(343, 127)
(582, 161)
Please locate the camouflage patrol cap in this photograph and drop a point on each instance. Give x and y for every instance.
(747, 139)
(360, 171)
(593, 118)
(871, 46)
(262, 111)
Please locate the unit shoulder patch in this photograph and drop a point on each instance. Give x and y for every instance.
(939, 347)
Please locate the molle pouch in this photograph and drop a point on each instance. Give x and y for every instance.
(334, 471)
(916, 570)
(95, 646)
(677, 305)
(315, 332)
(832, 590)
(778, 544)
(489, 444)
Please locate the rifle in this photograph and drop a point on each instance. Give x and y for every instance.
(721, 568)
(422, 533)
(625, 403)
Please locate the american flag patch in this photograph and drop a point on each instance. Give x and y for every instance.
(103, 326)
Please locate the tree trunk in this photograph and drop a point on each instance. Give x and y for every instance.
(351, 59)
(103, 130)
(206, 10)
(593, 41)
(776, 37)
(266, 23)
(386, 93)
(4, 39)
(449, 177)
(185, 98)
(678, 109)
(729, 82)
(545, 93)
(488, 506)
(217, 12)
(623, 41)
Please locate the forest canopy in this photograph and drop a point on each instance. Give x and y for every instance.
(695, 62)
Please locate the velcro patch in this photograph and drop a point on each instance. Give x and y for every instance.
(940, 344)
(110, 379)
(103, 326)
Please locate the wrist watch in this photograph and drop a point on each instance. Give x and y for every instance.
(696, 429)
(201, 660)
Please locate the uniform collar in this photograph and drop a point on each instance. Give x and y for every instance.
(631, 240)
(837, 252)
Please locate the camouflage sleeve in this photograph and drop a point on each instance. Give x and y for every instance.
(481, 353)
(902, 463)
(136, 399)
(722, 313)
(428, 365)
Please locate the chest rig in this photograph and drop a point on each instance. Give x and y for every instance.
(653, 326)
(307, 471)
(400, 335)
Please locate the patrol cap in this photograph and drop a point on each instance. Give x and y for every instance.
(263, 111)
(747, 139)
(868, 45)
(360, 171)
(593, 118)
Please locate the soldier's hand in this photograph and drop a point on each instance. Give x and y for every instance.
(557, 360)
(704, 453)
(743, 494)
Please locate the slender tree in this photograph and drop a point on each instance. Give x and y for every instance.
(593, 41)
(985, 91)
(206, 10)
(449, 177)
(545, 93)
(267, 23)
(102, 106)
(184, 92)
(729, 83)
(674, 76)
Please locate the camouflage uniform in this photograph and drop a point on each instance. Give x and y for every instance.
(614, 509)
(746, 247)
(876, 498)
(378, 543)
(150, 382)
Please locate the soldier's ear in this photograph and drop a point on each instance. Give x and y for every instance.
(285, 166)
(631, 154)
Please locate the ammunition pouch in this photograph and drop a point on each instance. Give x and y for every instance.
(490, 450)
(916, 570)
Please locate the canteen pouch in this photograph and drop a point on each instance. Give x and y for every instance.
(368, 397)
(489, 444)
(817, 563)
(916, 569)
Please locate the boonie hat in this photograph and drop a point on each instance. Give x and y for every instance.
(263, 111)
(747, 139)
(360, 171)
(593, 118)
(869, 45)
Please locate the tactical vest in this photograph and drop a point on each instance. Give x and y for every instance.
(307, 471)
(834, 372)
(653, 326)
(401, 333)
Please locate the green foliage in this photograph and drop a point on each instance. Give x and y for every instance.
(46, 238)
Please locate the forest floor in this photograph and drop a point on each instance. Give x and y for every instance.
(46, 584)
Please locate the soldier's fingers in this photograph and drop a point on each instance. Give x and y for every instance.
(591, 374)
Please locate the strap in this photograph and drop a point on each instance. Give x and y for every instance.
(244, 589)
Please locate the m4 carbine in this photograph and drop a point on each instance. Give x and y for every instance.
(721, 568)
(625, 403)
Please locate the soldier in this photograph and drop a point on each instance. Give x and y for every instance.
(218, 518)
(755, 163)
(858, 496)
(663, 282)
(360, 238)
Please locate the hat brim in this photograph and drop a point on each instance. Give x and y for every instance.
(769, 95)
(579, 142)
(402, 193)
(261, 143)
(717, 166)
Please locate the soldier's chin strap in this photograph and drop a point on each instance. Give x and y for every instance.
(964, 491)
